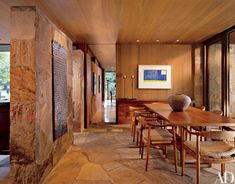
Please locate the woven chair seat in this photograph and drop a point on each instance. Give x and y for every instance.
(197, 128)
(158, 135)
(214, 149)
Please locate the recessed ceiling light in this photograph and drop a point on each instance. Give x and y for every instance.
(157, 40)
(137, 40)
(177, 40)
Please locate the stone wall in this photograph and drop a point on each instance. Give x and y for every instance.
(215, 76)
(78, 90)
(232, 79)
(97, 99)
(198, 77)
(33, 152)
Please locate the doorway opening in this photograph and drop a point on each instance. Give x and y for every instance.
(110, 97)
(4, 111)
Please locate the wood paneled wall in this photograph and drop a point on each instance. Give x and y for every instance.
(129, 56)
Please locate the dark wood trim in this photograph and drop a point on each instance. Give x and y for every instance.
(203, 74)
(215, 37)
(85, 91)
(228, 100)
(5, 128)
(5, 47)
(224, 76)
(53, 98)
(103, 84)
(225, 69)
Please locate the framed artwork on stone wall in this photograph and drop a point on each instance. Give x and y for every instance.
(154, 77)
(59, 90)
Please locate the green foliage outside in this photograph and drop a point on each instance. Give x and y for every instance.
(110, 85)
(4, 70)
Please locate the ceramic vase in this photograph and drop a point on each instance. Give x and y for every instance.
(179, 102)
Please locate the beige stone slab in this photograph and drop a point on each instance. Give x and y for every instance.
(116, 130)
(124, 174)
(111, 165)
(63, 174)
(23, 23)
(92, 171)
(92, 182)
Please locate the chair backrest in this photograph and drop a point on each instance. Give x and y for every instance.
(218, 135)
(132, 108)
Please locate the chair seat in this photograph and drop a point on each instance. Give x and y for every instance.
(158, 135)
(215, 149)
(197, 128)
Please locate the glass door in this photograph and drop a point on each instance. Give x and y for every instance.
(231, 58)
(214, 76)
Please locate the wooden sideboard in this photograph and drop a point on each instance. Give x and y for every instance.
(4, 128)
(122, 109)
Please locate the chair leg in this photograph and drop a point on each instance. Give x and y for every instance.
(137, 138)
(222, 169)
(165, 152)
(132, 129)
(175, 151)
(182, 151)
(134, 133)
(182, 161)
(147, 155)
(142, 150)
(190, 136)
(198, 170)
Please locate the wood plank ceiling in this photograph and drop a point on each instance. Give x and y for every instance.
(103, 23)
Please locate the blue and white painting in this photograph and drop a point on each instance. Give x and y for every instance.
(154, 77)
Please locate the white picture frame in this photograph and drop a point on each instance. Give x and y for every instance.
(154, 77)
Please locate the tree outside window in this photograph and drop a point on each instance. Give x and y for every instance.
(4, 76)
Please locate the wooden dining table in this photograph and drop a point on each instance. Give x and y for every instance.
(191, 117)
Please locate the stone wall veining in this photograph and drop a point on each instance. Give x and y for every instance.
(33, 152)
(78, 90)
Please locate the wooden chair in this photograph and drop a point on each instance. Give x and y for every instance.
(200, 128)
(218, 151)
(158, 135)
(133, 112)
(148, 117)
(197, 128)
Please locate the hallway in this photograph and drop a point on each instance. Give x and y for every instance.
(106, 113)
(107, 155)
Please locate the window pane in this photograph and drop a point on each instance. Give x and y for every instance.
(198, 77)
(4, 76)
(215, 80)
(231, 57)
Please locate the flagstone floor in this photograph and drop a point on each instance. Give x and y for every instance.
(106, 154)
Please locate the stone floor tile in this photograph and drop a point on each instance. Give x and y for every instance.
(122, 175)
(92, 182)
(111, 166)
(112, 157)
(91, 171)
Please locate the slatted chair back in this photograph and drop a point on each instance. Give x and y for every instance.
(218, 135)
